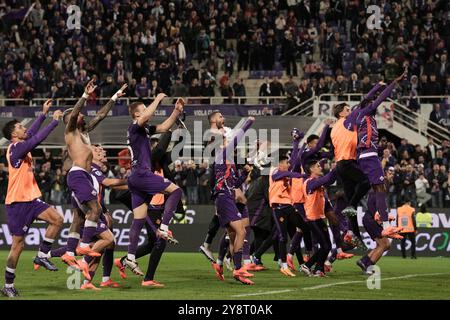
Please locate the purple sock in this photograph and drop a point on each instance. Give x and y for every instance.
(380, 198)
(72, 244)
(90, 227)
(295, 242)
(135, 231)
(59, 252)
(223, 247)
(92, 274)
(88, 259)
(366, 261)
(237, 259)
(246, 248)
(9, 277)
(108, 258)
(171, 205)
(46, 245)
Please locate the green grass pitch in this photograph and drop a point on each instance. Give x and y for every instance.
(189, 276)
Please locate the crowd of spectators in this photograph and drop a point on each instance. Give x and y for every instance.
(421, 174)
(151, 43)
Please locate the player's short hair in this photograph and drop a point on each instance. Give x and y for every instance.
(283, 158)
(337, 109)
(9, 127)
(132, 108)
(212, 114)
(312, 137)
(309, 164)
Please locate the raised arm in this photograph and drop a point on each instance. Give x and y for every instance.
(321, 141)
(374, 105)
(150, 110)
(371, 93)
(20, 149)
(326, 180)
(39, 120)
(170, 121)
(297, 135)
(298, 161)
(238, 135)
(113, 182)
(73, 117)
(103, 112)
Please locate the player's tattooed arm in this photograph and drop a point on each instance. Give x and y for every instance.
(73, 117)
(103, 112)
(150, 110)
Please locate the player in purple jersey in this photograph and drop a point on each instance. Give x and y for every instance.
(22, 201)
(103, 240)
(79, 180)
(226, 181)
(143, 182)
(367, 148)
(374, 226)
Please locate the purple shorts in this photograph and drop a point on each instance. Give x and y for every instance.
(102, 226)
(82, 185)
(143, 184)
(372, 227)
(371, 167)
(20, 215)
(227, 210)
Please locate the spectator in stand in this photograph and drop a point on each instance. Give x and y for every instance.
(276, 88)
(178, 89)
(142, 90)
(195, 91)
(289, 52)
(437, 179)
(354, 86)
(264, 90)
(239, 90)
(422, 185)
(243, 52)
(191, 174)
(207, 90)
(227, 91)
(204, 189)
(339, 87)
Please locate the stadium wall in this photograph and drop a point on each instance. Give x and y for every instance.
(190, 231)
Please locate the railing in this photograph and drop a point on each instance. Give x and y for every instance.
(169, 100)
(416, 122)
(304, 111)
(434, 99)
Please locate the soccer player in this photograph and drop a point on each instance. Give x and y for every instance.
(285, 216)
(317, 207)
(367, 148)
(142, 182)
(229, 216)
(22, 202)
(79, 179)
(155, 246)
(103, 240)
(374, 226)
(217, 127)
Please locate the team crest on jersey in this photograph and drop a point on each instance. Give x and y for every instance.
(281, 219)
(98, 173)
(382, 178)
(94, 193)
(158, 221)
(25, 229)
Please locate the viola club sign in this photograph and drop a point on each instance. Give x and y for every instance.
(190, 231)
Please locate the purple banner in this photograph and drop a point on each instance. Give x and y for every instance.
(163, 111)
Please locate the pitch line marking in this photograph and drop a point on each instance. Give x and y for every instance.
(262, 293)
(407, 276)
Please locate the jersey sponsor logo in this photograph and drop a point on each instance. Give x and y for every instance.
(98, 173)
(94, 193)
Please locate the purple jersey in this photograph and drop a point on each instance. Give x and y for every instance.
(225, 172)
(367, 124)
(96, 171)
(138, 140)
